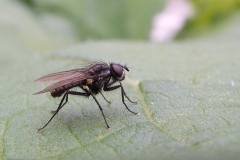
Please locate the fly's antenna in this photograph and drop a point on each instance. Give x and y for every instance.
(126, 67)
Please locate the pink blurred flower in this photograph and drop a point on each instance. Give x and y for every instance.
(171, 20)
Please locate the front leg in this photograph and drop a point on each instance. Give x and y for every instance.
(108, 88)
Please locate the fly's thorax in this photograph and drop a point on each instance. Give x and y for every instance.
(100, 80)
(101, 73)
(98, 68)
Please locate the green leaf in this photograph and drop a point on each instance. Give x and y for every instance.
(188, 97)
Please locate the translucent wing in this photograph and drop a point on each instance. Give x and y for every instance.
(64, 78)
(61, 75)
(71, 81)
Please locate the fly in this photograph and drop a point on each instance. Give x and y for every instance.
(92, 79)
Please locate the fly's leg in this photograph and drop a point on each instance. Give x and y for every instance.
(107, 88)
(123, 92)
(60, 107)
(72, 93)
(62, 104)
(105, 98)
(99, 108)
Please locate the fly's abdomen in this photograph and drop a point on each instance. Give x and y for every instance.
(61, 90)
(57, 92)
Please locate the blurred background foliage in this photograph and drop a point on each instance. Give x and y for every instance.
(130, 19)
(208, 15)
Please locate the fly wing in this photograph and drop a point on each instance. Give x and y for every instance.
(59, 76)
(63, 79)
(64, 82)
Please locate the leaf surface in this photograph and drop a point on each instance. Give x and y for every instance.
(188, 97)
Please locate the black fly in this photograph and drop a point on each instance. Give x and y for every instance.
(92, 79)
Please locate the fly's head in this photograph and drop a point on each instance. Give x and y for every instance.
(117, 71)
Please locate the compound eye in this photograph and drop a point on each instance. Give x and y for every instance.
(118, 70)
